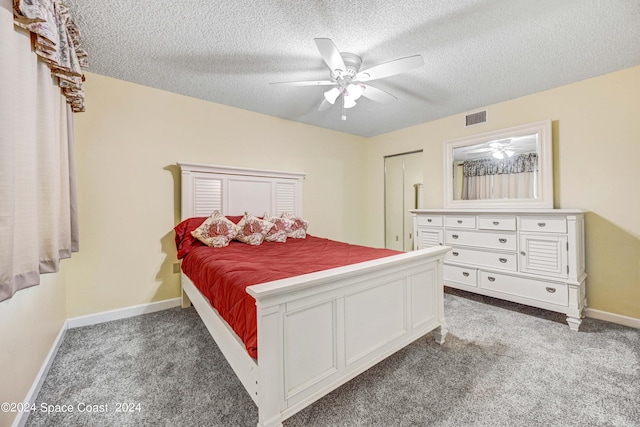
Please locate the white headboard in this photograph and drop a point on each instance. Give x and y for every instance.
(234, 191)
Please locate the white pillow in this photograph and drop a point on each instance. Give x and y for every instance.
(299, 227)
(216, 231)
(252, 230)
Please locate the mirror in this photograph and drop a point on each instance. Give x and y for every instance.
(509, 168)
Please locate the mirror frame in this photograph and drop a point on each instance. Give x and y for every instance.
(545, 168)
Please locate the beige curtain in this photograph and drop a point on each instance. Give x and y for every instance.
(508, 178)
(38, 219)
(514, 185)
(477, 187)
(504, 186)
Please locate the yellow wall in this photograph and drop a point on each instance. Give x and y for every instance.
(596, 136)
(29, 324)
(127, 145)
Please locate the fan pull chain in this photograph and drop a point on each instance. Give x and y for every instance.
(344, 110)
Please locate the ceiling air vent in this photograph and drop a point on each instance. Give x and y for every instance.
(475, 118)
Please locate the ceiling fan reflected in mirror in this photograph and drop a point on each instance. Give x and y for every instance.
(501, 149)
(498, 149)
(349, 83)
(506, 147)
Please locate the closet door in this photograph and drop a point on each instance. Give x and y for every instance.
(403, 190)
(412, 188)
(394, 202)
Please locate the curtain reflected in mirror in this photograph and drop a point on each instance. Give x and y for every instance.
(513, 177)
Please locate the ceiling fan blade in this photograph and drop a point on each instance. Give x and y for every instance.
(377, 95)
(331, 55)
(390, 68)
(307, 83)
(324, 105)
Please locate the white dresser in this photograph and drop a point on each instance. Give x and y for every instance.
(533, 257)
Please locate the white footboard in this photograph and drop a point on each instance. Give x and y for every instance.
(319, 330)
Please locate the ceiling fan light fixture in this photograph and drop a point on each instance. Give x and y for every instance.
(498, 155)
(348, 101)
(354, 91)
(332, 94)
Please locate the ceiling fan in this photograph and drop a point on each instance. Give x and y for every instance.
(507, 147)
(349, 82)
(502, 150)
(498, 149)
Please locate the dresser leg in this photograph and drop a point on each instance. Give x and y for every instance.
(574, 323)
(440, 333)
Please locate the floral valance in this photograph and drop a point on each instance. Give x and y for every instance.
(57, 43)
(518, 163)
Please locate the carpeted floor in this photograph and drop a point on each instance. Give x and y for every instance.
(503, 365)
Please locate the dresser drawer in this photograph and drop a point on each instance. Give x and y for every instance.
(460, 221)
(460, 275)
(554, 293)
(502, 241)
(429, 220)
(545, 225)
(483, 258)
(497, 223)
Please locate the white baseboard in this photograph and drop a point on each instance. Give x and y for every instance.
(613, 318)
(76, 322)
(21, 419)
(122, 313)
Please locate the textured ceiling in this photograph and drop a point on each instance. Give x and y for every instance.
(476, 52)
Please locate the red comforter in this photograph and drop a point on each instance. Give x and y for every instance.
(222, 274)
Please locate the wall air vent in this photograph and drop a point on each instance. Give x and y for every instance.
(475, 118)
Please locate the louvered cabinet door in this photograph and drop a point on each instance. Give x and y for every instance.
(543, 254)
(427, 237)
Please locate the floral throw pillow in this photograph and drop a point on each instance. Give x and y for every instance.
(216, 231)
(252, 230)
(281, 226)
(298, 228)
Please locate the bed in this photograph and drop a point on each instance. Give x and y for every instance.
(318, 330)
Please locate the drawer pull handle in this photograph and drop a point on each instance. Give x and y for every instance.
(502, 260)
(502, 240)
(523, 253)
(454, 253)
(465, 274)
(541, 224)
(491, 279)
(551, 290)
(429, 220)
(459, 221)
(455, 236)
(496, 222)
